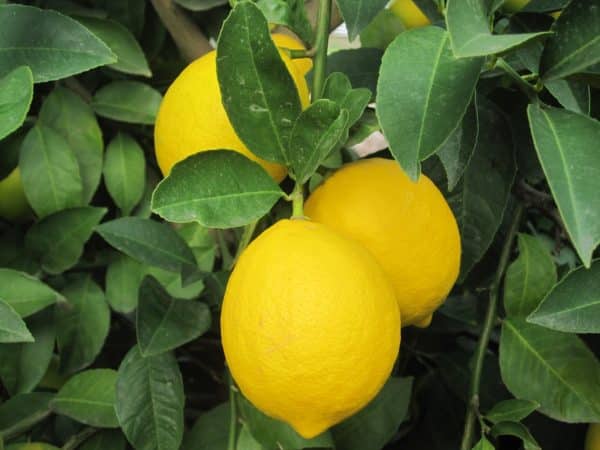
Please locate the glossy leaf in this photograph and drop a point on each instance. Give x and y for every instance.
(12, 327)
(289, 13)
(82, 325)
(31, 446)
(574, 303)
(513, 410)
(572, 95)
(89, 397)
(16, 93)
(360, 65)
(470, 34)
(74, 120)
(164, 323)
(58, 239)
(529, 278)
(218, 189)
(54, 46)
(123, 278)
(517, 430)
(25, 293)
(200, 5)
(49, 172)
(565, 143)
(483, 444)
(210, 431)
(246, 441)
(559, 363)
(22, 411)
(575, 42)
(127, 101)
(129, 13)
(339, 89)
(359, 13)
(422, 94)
(258, 92)
(125, 172)
(104, 440)
(150, 401)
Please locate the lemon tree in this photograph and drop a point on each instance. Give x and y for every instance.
(299, 224)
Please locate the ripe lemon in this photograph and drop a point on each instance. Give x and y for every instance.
(592, 441)
(13, 203)
(407, 226)
(192, 119)
(310, 325)
(409, 14)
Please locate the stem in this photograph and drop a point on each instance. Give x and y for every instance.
(490, 319)
(79, 439)
(523, 85)
(298, 201)
(322, 41)
(244, 241)
(232, 414)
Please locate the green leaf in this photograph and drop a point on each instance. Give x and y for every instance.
(49, 172)
(74, 120)
(245, 441)
(289, 13)
(123, 278)
(200, 5)
(164, 323)
(150, 242)
(12, 327)
(574, 303)
(53, 46)
(150, 401)
(218, 189)
(483, 444)
(565, 143)
(107, 439)
(420, 77)
(130, 56)
(316, 133)
(575, 42)
(58, 240)
(339, 89)
(16, 93)
(259, 94)
(485, 186)
(529, 278)
(21, 412)
(374, 426)
(82, 324)
(125, 172)
(32, 446)
(359, 13)
(457, 151)
(89, 397)
(24, 365)
(513, 410)
(573, 95)
(26, 294)
(517, 430)
(210, 431)
(174, 285)
(129, 13)
(127, 101)
(360, 65)
(559, 363)
(470, 34)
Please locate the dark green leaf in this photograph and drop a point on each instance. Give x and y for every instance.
(52, 45)
(518, 430)
(174, 286)
(89, 397)
(164, 323)
(259, 94)
(382, 30)
(150, 401)
(359, 13)
(12, 327)
(513, 410)
(573, 95)
(559, 363)
(49, 172)
(123, 278)
(200, 5)
(16, 92)
(129, 13)
(127, 101)
(483, 444)
(246, 441)
(289, 13)
(575, 43)
(58, 239)
(574, 303)
(82, 324)
(529, 278)
(360, 65)
(421, 78)
(125, 172)
(26, 294)
(218, 189)
(32, 446)
(21, 412)
(210, 432)
(566, 145)
(544, 5)
(339, 89)
(105, 440)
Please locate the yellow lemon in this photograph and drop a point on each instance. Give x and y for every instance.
(13, 203)
(310, 325)
(192, 119)
(514, 5)
(409, 14)
(592, 441)
(407, 226)
(304, 65)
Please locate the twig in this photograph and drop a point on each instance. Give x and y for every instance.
(321, 44)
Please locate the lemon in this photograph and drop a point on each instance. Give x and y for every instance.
(409, 14)
(192, 119)
(310, 325)
(407, 226)
(514, 5)
(13, 203)
(592, 441)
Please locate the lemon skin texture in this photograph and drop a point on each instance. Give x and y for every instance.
(407, 226)
(304, 65)
(192, 119)
(13, 203)
(310, 325)
(409, 14)
(592, 441)
(514, 5)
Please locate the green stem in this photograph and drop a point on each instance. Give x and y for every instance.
(298, 201)
(244, 241)
(232, 414)
(490, 320)
(523, 85)
(322, 41)
(79, 439)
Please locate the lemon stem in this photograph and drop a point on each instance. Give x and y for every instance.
(232, 414)
(320, 49)
(298, 201)
(490, 320)
(244, 241)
